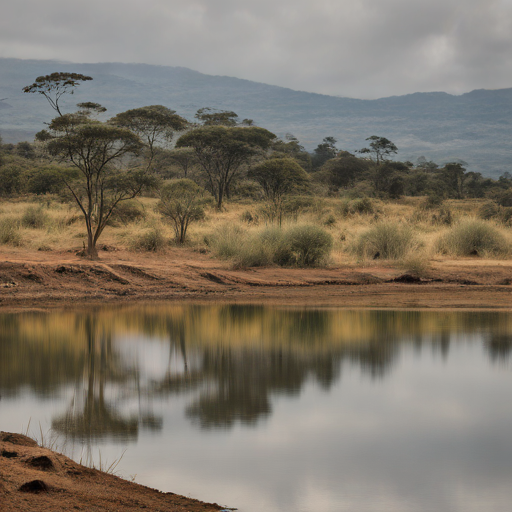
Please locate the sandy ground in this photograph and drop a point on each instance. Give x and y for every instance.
(37, 479)
(55, 279)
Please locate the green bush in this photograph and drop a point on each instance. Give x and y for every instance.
(443, 215)
(302, 245)
(226, 240)
(361, 206)
(474, 238)
(10, 232)
(126, 212)
(431, 202)
(489, 210)
(310, 245)
(150, 241)
(385, 240)
(34, 217)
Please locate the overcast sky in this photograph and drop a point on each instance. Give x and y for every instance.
(355, 48)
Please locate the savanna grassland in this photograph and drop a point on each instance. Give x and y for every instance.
(375, 253)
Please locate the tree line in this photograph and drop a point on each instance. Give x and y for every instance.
(100, 163)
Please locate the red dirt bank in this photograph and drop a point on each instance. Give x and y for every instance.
(40, 279)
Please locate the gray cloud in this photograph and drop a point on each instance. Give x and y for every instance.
(365, 49)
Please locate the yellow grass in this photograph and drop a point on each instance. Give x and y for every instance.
(65, 229)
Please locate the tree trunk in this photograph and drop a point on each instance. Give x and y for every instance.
(91, 251)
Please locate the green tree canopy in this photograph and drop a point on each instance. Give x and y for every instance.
(324, 151)
(344, 170)
(154, 124)
(223, 151)
(212, 117)
(380, 149)
(96, 150)
(278, 177)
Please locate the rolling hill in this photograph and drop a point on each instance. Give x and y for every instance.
(475, 127)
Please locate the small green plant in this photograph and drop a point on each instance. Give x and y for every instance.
(10, 232)
(474, 237)
(151, 240)
(385, 240)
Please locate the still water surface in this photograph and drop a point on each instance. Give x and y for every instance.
(274, 409)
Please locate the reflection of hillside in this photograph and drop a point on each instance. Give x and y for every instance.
(232, 359)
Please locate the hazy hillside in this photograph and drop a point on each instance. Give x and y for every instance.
(475, 127)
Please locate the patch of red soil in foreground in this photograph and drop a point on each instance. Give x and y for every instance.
(40, 480)
(45, 279)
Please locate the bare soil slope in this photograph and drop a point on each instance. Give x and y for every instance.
(37, 479)
(42, 279)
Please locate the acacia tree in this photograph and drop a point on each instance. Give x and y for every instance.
(154, 124)
(278, 177)
(380, 149)
(95, 149)
(324, 151)
(223, 151)
(183, 201)
(54, 86)
(213, 117)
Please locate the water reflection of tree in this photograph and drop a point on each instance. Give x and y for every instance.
(498, 346)
(234, 358)
(90, 416)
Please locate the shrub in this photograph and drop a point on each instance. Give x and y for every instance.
(363, 205)
(442, 216)
(309, 245)
(474, 238)
(182, 202)
(226, 240)
(303, 245)
(151, 241)
(506, 215)
(329, 220)
(249, 217)
(385, 240)
(10, 232)
(126, 212)
(34, 217)
(489, 210)
(431, 202)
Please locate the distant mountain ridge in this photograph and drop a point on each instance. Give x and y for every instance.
(475, 127)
